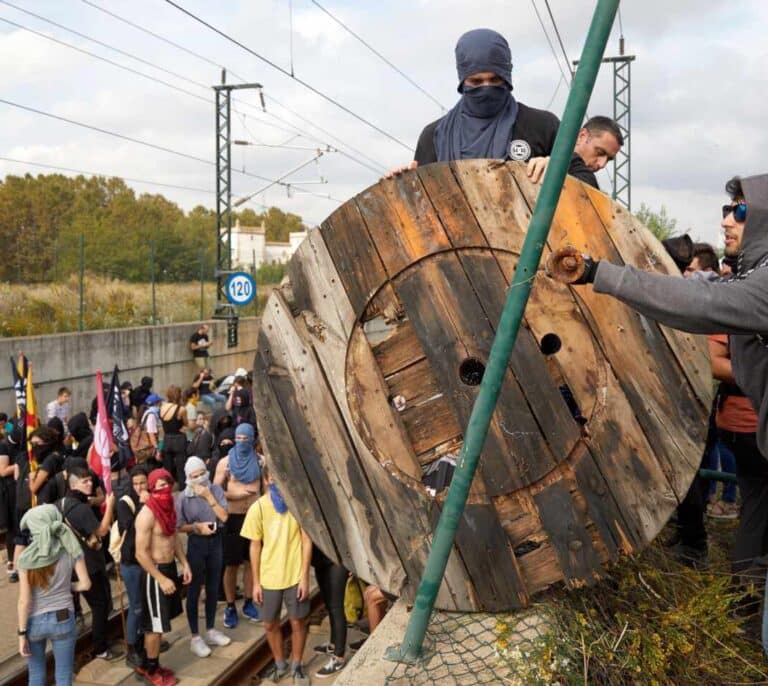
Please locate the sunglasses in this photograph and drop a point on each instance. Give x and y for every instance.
(739, 211)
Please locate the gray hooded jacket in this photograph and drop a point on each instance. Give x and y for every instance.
(736, 306)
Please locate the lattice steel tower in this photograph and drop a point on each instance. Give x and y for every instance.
(224, 191)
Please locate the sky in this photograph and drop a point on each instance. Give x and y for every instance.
(698, 92)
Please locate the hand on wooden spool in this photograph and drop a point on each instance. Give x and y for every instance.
(568, 265)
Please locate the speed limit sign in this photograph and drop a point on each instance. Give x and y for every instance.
(241, 288)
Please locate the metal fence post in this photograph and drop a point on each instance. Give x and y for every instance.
(82, 283)
(410, 649)
(202, 283)
(152, 278)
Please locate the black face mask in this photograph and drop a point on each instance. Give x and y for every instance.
(40, 452)
(485, 101)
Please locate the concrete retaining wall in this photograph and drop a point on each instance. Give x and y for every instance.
(161, 352)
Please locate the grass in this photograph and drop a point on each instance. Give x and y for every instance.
(30, 310)
(652, 622)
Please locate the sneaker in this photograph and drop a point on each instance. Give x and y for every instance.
(134, 657)
(276, 673)
(334, 664)
(156, 679)
(691, 556)
(13, 577)
(251, 611)
(198, 646)
(109, 655)
(230, 617)
(324, 648)
(169, 678)
(356, 645)
(216, 638)
(299, 677)
(723, 510)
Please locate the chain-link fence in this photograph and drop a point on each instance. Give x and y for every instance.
(657, 619)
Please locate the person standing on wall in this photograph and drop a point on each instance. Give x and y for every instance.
(199, 342)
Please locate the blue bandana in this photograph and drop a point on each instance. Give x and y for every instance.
(277, 499)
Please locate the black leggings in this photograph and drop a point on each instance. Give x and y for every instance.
(175, 456)
(332, 580)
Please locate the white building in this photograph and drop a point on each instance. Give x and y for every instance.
(250, 246)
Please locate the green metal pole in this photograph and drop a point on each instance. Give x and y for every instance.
(82, 282)
(506, 334)
(152, 277)
(715, 475)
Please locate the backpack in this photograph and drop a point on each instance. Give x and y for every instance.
(116, 539)
(354, 604)
(91, 542)
(141, 446)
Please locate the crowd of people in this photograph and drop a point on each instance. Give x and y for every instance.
(189, 505)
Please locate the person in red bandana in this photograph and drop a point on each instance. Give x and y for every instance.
(157, 549)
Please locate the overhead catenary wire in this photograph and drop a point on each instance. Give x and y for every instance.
(379, 167)
(130, 139)
(285, 72)
(559, 38)
(549, 42)
(379, 55)
(207, 100)
(110, 176)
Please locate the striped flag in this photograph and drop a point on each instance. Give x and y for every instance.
(26, 407)
(103, 443)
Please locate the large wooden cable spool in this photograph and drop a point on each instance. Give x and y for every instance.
(369, 362)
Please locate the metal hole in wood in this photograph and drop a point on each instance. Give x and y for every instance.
(471, 371)
(550, 343)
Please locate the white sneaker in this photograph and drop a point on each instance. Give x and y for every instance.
(214, 637)
(199, 648)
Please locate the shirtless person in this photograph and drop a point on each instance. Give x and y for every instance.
(239, 474)
(157, 548)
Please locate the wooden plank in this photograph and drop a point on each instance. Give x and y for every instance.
(401, 221)
(527, 362)
(636, 349)
(372, 551)
(403, 505)
(485, 549)
(451, 206)
(498, 206)
(400, 349)
(283, 457)
(582, 365)
(354, 255)
(448, 319)
(566, 526)
(639, 247)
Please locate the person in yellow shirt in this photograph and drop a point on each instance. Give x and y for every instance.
(280, 553)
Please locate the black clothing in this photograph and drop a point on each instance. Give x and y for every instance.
(538, 128)
(174, 424)
(140, 394)
(80, 430)
(52, 466)
(126, 521)
(332, 580)
(81, 518)
(99, 598)
(198, 338)
(174, 445)
(7, 498)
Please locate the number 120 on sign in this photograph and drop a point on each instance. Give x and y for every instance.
(241, 288)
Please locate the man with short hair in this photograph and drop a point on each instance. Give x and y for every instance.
(157, 548)
(79, 516)
(199, 342)
(487, 121)
(280, 554)
(60, 407)
(705, 262)
(597, 144)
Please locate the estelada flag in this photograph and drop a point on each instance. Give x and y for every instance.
(103, 443)
(26, 407)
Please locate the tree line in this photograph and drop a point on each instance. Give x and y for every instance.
(42, 218)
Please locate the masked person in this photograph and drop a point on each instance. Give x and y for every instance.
(157, 548)
(46, 610)
(487, 121)
(81, 434)
(50, 462)
(737, 306)
(239, 474)
(280, 555)
(201, 511)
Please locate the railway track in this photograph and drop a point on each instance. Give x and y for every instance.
(242, 670)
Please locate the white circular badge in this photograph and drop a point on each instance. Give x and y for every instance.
(240, 288)
(519, 150)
